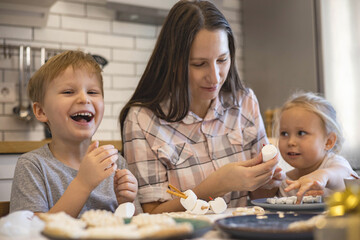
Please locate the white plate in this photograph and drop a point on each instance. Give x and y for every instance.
(289, 207)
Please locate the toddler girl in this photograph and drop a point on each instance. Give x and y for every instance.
(310, 140)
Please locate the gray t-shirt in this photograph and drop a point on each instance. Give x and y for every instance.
(40, 180)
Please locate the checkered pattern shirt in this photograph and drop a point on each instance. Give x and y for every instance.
(184, 153)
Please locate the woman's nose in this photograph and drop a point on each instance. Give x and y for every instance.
(214, 74)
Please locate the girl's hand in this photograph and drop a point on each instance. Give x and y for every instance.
(306, 186)
(97, 165)
(275, 182)
(125, 186)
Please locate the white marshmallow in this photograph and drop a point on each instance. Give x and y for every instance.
(189, 202)
(268, 152)
(291, 200)
(318, 199)
(125, 210)
(271, 200)
(201, 207)
(308, 199)
(218, 205)
(281, 200)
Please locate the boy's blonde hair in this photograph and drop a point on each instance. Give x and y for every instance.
(320, 106)
(55, 66)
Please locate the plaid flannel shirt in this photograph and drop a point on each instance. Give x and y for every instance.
(184, 153)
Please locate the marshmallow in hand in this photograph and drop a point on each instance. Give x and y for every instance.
(201, 207)
(190, 200)
(218, 205)
(125, 210)
(268, 152)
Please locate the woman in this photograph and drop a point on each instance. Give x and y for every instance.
(191, 122)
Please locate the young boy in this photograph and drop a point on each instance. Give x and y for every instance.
(70, 173)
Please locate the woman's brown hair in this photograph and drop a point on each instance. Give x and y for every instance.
(166, 74)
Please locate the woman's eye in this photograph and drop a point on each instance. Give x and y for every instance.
(222, 60)
(198, 64)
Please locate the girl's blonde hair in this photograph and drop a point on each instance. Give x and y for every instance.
(320, 106)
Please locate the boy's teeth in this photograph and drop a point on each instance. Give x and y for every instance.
(82, 114)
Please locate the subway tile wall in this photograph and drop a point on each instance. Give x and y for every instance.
(91, 27)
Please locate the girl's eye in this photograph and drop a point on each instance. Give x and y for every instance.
(67, 92)
(284, 134)
(302, 133)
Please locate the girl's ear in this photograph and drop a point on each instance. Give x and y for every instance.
(331, 140)
(39, 112)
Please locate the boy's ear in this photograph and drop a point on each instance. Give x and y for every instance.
(39, 112)
(331, 140)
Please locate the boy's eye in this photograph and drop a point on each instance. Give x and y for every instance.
(67, 92)
(301, 133)
(93, 92)
(284, 134)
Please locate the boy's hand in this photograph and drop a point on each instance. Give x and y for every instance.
(98, 164)
(125, 186)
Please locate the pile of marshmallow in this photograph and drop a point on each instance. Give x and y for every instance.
(292, 200)
(197, 206)
(193, 205)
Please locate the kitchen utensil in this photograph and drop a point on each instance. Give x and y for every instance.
(100, 60)
(24, 113)
(42, 56)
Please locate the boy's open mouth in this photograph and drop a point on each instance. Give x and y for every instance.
(81, 117)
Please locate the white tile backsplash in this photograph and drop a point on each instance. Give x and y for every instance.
(120, 68)
(85, 24)
(53, 21)
(10, 32)
(134, 29)
(131, 55)
(145, 43)
(125, 82)
(57, 35)
(91, 26)
(115, 96)
(109, 40)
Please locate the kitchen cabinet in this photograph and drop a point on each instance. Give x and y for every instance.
(280, 49)
(7, 168)
(25, 13)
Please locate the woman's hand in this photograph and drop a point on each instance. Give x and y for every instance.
(97, 165)
(240, 176)
(125, 186)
